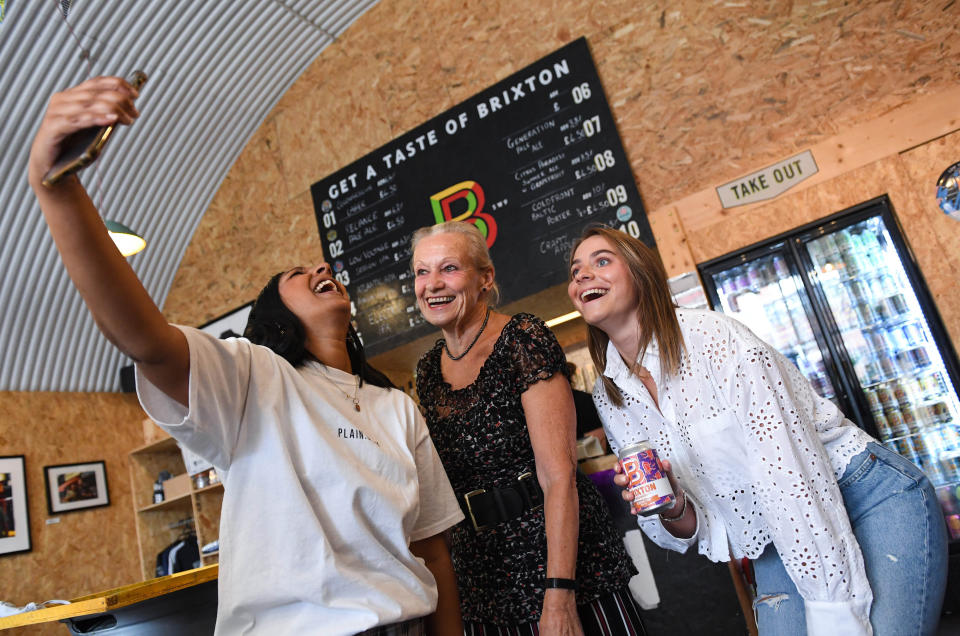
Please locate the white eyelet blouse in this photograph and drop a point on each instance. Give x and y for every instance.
(758, 453)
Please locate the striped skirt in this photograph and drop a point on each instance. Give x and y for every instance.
(616, 614)
(413, 627)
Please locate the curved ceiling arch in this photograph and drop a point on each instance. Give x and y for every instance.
(215, 72)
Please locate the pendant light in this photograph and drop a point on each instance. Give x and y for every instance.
(126, 240)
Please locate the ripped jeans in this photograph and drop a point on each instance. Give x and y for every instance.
(898, 523)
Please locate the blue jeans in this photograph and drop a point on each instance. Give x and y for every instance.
(898, 523)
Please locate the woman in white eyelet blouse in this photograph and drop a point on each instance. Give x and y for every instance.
(846, 536)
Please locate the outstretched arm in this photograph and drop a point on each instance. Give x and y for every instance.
(120, 305)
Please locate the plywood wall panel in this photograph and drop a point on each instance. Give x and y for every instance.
(87, 550)
(935, 237)
(701, 93)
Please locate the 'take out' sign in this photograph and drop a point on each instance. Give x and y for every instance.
(768, 182)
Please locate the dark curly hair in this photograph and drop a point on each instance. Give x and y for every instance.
(273, 325)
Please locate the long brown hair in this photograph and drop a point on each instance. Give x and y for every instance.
(656, 311)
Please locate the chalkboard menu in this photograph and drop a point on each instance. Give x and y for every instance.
(530, 161)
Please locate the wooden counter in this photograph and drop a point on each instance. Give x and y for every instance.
(114, 599)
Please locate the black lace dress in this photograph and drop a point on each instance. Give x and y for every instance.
(481, 436)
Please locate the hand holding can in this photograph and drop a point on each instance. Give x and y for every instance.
(649, 484)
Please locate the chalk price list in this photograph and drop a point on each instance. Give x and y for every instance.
(578, 153)
(530, 161)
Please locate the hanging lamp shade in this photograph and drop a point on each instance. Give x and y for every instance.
(126, 240)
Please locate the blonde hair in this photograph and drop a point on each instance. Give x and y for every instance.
(477, 251)
(656, 311)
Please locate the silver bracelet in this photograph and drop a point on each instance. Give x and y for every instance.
(683, 511)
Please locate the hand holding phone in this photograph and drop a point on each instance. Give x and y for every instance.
(82, 148)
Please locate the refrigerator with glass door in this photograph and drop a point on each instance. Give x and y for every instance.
(844, 300)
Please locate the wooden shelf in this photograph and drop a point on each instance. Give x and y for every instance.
(176, 502)
(166, 444)
(212, 487)
(157, 523)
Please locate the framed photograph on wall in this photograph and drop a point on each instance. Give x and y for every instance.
(14, 517)
(76, 486)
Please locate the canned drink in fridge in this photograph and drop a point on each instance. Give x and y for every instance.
(885, 397)
(903, 448)
(896, 338)
(873, 400)
(882, 311)
(906, 362)
(930, 385)
(899, 392)
(865, 313)
(913, 334)
(895, 422)
(921, 357)
(899, 302)
(910, 419)
(858, 292)
(888, 368)
(883, 427)
(648, 480)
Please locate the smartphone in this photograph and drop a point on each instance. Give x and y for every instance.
(82, 148)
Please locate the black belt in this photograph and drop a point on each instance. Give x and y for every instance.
(486, 508)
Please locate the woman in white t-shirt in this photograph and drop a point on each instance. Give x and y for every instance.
(846, 535)
(335, 501)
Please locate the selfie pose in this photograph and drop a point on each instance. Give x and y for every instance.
(538, 550)
(334, 498)
(846, 535)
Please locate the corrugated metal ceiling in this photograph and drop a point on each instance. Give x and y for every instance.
(216, 69)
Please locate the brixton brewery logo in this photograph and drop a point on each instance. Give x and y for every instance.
(472, 194)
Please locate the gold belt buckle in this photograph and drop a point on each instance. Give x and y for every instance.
(529, 475)
(473, 519)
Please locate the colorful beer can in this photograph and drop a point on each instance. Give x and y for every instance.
(895, 422)
(885, 396)
(899, 393)
(910, 419)
(883, 427)
(648, 480)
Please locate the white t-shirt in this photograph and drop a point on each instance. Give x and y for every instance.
(758, 453)
(320, 501)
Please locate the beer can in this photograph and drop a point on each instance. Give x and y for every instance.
(913, 334)
(883, 427)
(907, 362)
(857, 291)
(896, 339)
(648, 481)
(882, 312)
(910, 419)
(888, 368)
(873, 400)
(899, 392)
(899, 304)
(885, 396)
(921, 357)
(902, 447)
(865, 313)
(895, 422)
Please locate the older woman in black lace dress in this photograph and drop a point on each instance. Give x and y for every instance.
(537, 548)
